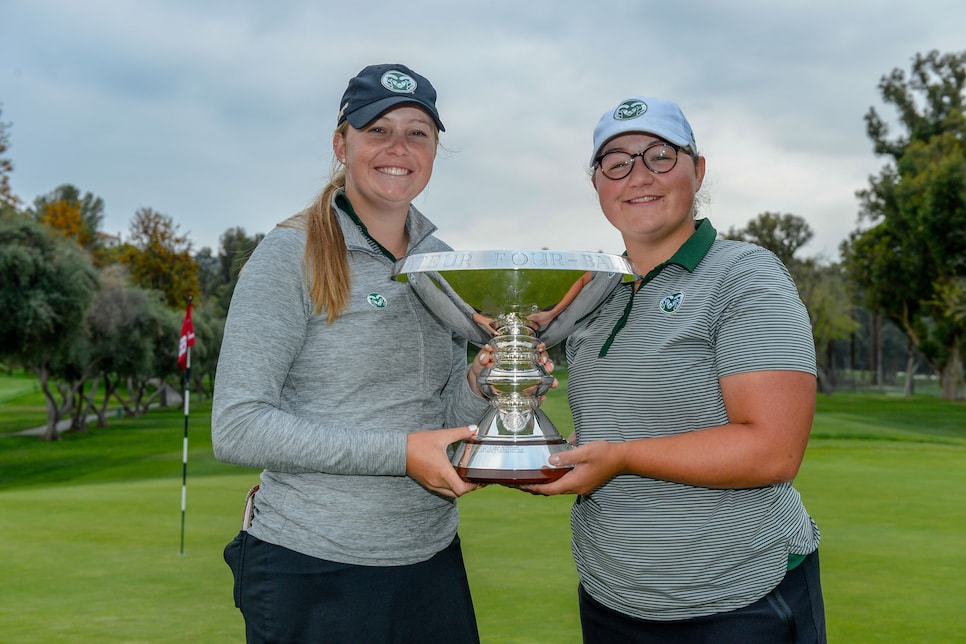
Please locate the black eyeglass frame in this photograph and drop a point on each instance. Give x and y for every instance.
(633, 158)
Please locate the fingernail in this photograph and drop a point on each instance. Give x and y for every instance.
(473, 428)
(555, 460)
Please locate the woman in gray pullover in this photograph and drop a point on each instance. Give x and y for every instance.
(336, 381)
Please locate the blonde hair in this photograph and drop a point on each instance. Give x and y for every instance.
(326, 264)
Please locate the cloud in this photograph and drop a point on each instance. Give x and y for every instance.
(220, 114)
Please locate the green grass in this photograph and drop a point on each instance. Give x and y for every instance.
(893, 527)
(21, 403)
(125, 450)
(890, 418)
(93, 530)
(101, 562)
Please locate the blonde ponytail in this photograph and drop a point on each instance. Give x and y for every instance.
(326, 264)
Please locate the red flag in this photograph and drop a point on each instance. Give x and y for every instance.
(187, 339)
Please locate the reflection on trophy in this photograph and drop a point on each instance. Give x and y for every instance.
(489, 297)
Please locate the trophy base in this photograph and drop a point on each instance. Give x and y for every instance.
(509, 461)
(511, 477)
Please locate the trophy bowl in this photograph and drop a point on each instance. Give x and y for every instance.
(488, 297)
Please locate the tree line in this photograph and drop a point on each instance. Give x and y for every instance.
(98, 320)
(900, 287)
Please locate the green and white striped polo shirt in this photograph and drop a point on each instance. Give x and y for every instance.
(659, 550)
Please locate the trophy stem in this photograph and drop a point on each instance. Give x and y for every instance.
(515, 439)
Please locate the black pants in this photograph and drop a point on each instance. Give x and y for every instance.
(794, 612)
(286, 596)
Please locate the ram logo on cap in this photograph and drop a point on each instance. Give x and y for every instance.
(630, 109)
(396, 81)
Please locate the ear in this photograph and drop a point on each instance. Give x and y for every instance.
(699, 168)
(338, 147)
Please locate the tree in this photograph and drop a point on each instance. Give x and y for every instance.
(46, 286)
(74, 216)
(125, 324)
(159, 258)
(911, 258)
(7, 198)
(207, 272)
(220, 275)
(783, 234)
(209, 323)
(821, 286)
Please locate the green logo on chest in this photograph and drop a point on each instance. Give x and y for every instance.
(672, 303)
(376, 301)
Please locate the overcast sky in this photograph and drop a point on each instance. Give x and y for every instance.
(220, 113)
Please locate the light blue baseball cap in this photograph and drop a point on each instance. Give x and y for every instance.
(645, 114)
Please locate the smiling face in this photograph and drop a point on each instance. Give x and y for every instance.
(389, 161)
(650, 210)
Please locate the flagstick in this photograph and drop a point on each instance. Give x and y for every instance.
(184, 349)
(184, 454)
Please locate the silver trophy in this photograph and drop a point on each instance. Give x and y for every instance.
(489, 297)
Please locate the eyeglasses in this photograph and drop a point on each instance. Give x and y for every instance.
(659, 158)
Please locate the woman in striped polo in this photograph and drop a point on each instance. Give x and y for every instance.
(693, 393)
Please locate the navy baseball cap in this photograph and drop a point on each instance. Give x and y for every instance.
(378, 88)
